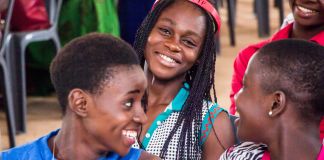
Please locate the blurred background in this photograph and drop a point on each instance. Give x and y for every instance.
(243, 22)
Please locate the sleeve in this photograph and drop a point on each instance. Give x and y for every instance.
(208, 120)
(245, 150)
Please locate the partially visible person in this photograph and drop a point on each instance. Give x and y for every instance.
(177, 48)
(308, 25)
(100, 85)
(281, 103)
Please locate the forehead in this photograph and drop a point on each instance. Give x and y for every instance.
(185, 11)
(254, 69)
(127, 74)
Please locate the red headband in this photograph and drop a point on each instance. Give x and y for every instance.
(207, 7)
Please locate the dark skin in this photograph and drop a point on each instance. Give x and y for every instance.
(179, 36)
(85, 133)
(287, 135)
(307, 26)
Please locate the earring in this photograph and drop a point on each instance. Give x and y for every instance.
(270, 113)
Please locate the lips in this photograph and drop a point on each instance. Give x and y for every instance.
(168, 60)
(129, 136)
(305, 12)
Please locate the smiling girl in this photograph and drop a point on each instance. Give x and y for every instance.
(100, 85)
(176, 46)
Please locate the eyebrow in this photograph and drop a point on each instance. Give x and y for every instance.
(188, 32)
(134, 91)
(168, 20)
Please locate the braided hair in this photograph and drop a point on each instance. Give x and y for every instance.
(200, 77)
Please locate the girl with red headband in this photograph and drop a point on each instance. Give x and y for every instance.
(177, 48)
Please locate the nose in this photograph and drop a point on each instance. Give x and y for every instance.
(139, 115)
(173, 45)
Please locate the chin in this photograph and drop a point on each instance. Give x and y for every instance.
(122, 151)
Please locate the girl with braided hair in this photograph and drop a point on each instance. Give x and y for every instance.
(176, 46)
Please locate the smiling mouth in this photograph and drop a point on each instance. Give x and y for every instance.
(167, 58)
(130, 134)
(306, 11)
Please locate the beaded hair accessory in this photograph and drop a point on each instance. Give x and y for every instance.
(204, 4)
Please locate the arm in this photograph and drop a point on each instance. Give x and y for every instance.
(213, 147)
(147, 156)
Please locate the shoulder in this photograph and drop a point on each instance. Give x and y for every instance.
(37, 149)
(245, 150)
(212, 115)
(24, 152)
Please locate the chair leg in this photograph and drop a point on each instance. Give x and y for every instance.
(262, 9)
(281, 11)
(231, 20)
(17, 71)
(9, 110)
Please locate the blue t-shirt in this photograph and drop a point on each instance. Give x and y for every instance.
(39, 150)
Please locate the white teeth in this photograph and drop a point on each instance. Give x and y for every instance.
(129, 133)
(168, 59)
(306, 10)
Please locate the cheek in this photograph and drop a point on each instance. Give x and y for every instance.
(192, 57)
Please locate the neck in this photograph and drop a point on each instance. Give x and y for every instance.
(305, 33)
(298, 143)
(162, 92)
(72, 143)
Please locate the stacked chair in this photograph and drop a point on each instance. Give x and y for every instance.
(6, 74)
(17, 49)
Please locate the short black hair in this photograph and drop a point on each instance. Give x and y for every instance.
(200, 77)
(87, 62)
(295, 67)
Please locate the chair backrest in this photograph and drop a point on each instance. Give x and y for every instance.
(53, 8)
(7, 24)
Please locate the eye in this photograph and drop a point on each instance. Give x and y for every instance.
(189, 43)
(164, 31)
(129, 103)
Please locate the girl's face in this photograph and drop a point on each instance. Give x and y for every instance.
(115, 115)
(251, 104)
(175, 41)
(308, 13)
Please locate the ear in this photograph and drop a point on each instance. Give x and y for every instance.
(278, 104)
(78, 102)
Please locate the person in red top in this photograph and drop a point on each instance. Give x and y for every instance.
(308, 25)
